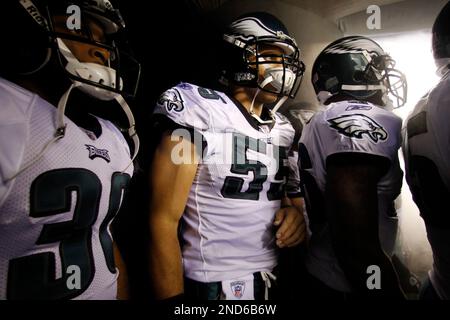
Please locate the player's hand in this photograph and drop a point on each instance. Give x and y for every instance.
(291, 227)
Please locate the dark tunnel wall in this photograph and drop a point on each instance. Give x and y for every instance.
(174, 43)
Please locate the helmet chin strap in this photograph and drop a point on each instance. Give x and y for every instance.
(279, 104)
(92, 72)
(61, 126)
(275, 108)
(61, 129)
(252, 113)
(131, 128)
(101, 94)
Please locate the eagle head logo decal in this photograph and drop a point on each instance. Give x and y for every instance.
(358, 125)
(171, 100)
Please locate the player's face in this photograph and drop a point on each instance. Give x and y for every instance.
(84, 52)
(271, 59)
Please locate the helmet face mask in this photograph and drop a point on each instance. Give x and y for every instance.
(94, 55)
(278, 71)
(266, 58)
(397, 86)
(91, 57)
(358, 67)
(382, 69)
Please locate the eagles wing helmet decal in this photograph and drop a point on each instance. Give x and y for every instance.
(171, 100)
(358, 125)
(352, 45)
(253, 26)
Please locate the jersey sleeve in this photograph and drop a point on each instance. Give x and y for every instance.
(14, 120)
(293, 189)
(184, 107)
(293, 132)
(439, 113)
(362, 128)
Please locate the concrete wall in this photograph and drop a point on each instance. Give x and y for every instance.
(405, 16)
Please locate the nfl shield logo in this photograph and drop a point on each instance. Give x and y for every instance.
(237, 288)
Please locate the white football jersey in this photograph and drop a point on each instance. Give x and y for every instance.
(427, 158)
(227, 223)
(347, 126)
(55, 241)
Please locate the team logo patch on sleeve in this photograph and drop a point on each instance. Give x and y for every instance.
(98, 153)
(184, 86)
(359, 126)
(171, 100)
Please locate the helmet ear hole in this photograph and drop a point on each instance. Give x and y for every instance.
(358, 76)
(325, 70)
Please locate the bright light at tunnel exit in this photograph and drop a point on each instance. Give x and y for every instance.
(413, 55)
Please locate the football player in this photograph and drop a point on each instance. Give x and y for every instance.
(228, 182)
(350, 168)
(426, 150)
(62, 178)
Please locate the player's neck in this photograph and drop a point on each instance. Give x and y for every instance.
(242, 95)
(343, 97)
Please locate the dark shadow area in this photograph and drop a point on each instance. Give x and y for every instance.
(174, 43)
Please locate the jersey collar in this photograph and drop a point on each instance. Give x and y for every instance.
(252, 121)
